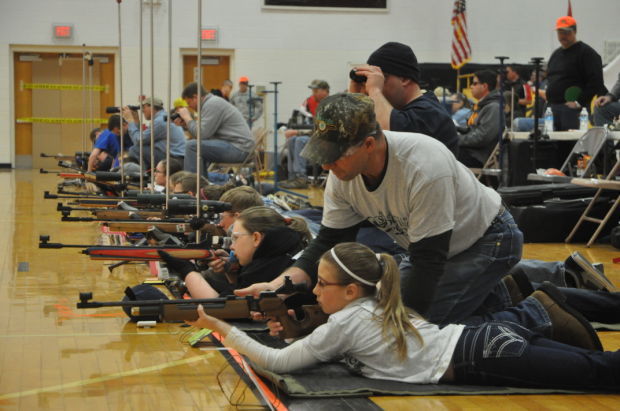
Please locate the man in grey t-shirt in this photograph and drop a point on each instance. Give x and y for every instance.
(461, 241)
(224, 134)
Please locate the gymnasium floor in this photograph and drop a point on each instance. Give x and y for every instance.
(53, 356)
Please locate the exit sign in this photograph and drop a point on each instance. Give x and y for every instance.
(63, 31)
(208, 34)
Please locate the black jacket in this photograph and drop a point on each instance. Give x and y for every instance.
(426, 115)
(273, 255)
(577, 66)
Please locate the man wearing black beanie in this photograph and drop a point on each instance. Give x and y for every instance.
(392, 82)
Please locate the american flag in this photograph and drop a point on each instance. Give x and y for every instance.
(461, 50)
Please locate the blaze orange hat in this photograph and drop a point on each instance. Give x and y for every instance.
(566, 23)
(244, 79)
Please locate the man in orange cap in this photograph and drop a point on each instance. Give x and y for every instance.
(241, 100)
(574, 76)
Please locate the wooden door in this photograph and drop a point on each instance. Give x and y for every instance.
(215, 69)
(50, 111)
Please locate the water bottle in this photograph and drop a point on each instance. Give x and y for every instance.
(583, 120)
(548, 120)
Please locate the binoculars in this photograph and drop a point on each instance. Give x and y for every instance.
(356, 77)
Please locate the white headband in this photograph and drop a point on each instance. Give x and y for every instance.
(358, 278)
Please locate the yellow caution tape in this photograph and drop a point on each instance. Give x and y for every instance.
(60, 120)
(50, 86)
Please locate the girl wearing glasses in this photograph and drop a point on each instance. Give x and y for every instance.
(264, 243)
(378, 337)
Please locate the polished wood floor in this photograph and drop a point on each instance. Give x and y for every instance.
(53, 356)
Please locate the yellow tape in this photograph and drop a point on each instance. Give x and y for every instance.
(50, 86)
(61, 120)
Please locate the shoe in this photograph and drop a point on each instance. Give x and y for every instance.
(299, 182)
(586, 275)
(567, 325)
(518, 286)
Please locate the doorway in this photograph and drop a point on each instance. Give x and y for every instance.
(50, 105)
(215, 69)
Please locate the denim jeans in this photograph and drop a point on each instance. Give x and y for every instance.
(211, 150)
(471, 280)
(296, 163)
(599, 306)
(508, 354)
(606, 114)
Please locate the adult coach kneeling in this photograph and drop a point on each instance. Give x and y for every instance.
(461, 240)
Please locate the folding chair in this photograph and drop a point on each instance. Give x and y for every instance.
(491, 166)
(252, 161)
(609, 183)
(591, 143)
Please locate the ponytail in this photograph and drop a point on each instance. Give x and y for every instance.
(380, 278)
(261, 219)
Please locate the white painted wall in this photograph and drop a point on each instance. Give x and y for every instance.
(291, 46)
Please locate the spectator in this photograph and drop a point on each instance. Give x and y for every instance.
(574, 76)
(153, 108)
(224, 135)
(296, 139)
(393, 82)
(478, 140)
(461, 109)
(607, 107)
(241, 100)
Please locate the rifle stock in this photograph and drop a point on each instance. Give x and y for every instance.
(227, 308)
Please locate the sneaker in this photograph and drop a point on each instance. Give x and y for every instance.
(567, 325)
(518, 286)
(586, 275)
(299, 182)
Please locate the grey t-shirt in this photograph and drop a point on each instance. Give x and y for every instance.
(425, 192)
(220, 120)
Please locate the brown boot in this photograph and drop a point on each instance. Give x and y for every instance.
(567, 325)
(518, 286)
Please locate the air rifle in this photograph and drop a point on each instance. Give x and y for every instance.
(135, 253)
(227, 308)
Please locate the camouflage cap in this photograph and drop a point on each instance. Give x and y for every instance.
(153, 101)
(322, 84)
(342, 121)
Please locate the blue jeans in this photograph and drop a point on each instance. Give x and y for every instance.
(211, 150)
(472, 279)
(599, 306)
(296, 163)
(606, 114)
(508, 354)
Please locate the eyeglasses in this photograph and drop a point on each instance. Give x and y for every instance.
(322, 283)
(235, 236)
(160, 172)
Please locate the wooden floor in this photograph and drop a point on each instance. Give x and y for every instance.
(53, 356)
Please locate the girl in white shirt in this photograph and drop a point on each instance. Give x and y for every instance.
(377, 336)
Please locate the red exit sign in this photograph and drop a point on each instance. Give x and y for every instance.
(63, 31)
(209, 34)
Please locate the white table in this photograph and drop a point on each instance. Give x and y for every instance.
(559, 135)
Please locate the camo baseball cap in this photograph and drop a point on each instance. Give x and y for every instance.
(322, 84)
(342, 121)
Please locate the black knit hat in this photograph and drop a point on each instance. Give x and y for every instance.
(397, 59)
